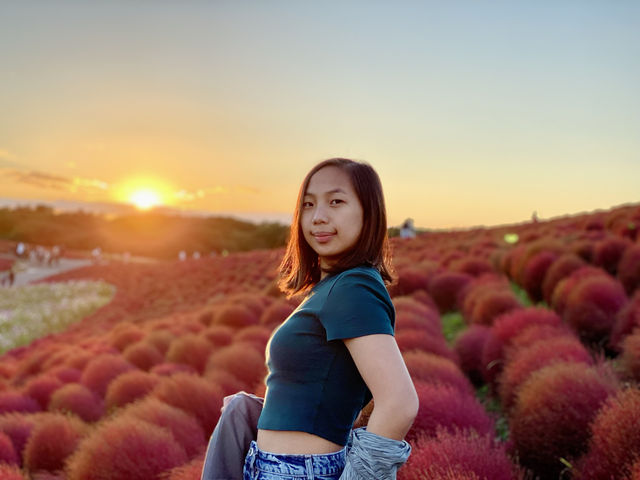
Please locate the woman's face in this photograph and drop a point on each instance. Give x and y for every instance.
(331, 215)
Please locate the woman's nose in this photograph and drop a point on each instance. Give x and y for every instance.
(320, 215)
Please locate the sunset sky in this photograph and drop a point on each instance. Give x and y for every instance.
(472, 112)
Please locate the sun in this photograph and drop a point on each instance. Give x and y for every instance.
(144, 199)
(143, 192)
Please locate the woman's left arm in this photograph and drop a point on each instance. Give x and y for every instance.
(382, 367)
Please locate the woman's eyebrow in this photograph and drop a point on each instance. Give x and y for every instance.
(335, 190)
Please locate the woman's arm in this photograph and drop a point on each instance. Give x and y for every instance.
(380, 363)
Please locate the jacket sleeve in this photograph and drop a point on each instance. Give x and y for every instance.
(372, 457)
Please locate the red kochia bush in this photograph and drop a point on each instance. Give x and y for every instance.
(256, 334)
(18, 428)
(102, 370)
(630, 358)
(615, 438)
(607, 253)
(236, 316)
(12, 401)
(629, 269)
(40, 388)
(125, 447)
(190, 349)
(168, 369)
(125, 334)
(183, 426)
(413, 339)
(458, 456)
(129, 387)
(567, 285)
(77, 399)
(53, 439)
(534, 271)
(493, 304)
(10, 472)
(143, 355)
(409, 280)
(504, 329)
(431, 368)
(218, 335)
(276, 313)
(446, 287)
(561, 267)
(471, 266)
(240, 359)
(161, 339)
(7, 451)
(66, 374)
(469, 345)
(194, 395)
(190, 471)
(553, 412)
(592, 307)
(523, 363)
(443, 406)
(627, 320)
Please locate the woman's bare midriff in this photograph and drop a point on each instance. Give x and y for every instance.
(294, 443)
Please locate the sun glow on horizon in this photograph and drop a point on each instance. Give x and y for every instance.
(144, 193)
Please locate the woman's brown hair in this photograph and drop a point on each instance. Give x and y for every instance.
(300, 267)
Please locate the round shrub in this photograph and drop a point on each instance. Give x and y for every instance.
(161, 339)
(430, 368)
(52, 440)
(7, 450)
(79, 400)
(12, 401)
(102, 370)
(235, 316)
(592, 307)
(190, 471)
(561, 267)
(615, 438)
(143, 355)
(469, 346)
(125, 334)
(190, 349)
(183, 426)
(129, 387)
(219, 335)
(256, 334)
(458, 456)
(168, 369)
(194, 395)
(629, 269)
(66, 374)
(445, 289)
(471, 266)
(524, 362)
(627, 320)
(409, 280)
(481, 286)
(11, 472)
(607, 253)
(553, 412)
(18, 428)
(504, 329)
(226, 381)
(40, 388)
(567, 285)
(241, 360)
(493, 304)
(125, 447)
(444, 407)
(630, 357)
(534, 272)
(534, 334)
(276, 313)
(412, 339)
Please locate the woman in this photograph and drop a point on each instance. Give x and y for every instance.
(337, 349)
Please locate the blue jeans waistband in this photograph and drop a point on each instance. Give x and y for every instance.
(296, 465)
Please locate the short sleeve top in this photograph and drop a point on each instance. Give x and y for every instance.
(313, 384)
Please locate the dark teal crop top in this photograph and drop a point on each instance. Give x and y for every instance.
(313, 384)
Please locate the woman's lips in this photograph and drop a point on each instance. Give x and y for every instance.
(323, 237)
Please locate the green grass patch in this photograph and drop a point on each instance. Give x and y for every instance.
(493, 407)
(34, 311)
(452, 324)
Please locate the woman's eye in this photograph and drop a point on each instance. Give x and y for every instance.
(335, 201)
(307, 204)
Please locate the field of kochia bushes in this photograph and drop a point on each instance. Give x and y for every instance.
(134, 390)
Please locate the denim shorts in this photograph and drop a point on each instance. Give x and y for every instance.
(260, 465)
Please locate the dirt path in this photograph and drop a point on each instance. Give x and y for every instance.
(27, 272)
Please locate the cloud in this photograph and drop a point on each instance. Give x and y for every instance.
(47, 181)
(7, 160)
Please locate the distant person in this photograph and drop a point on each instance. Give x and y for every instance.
(333, 354)
(20, 250)
(534, 217)
(407, 230)
(12, 277)
(196, 255)
(96, 254)
(182, 256)
(55, 255)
